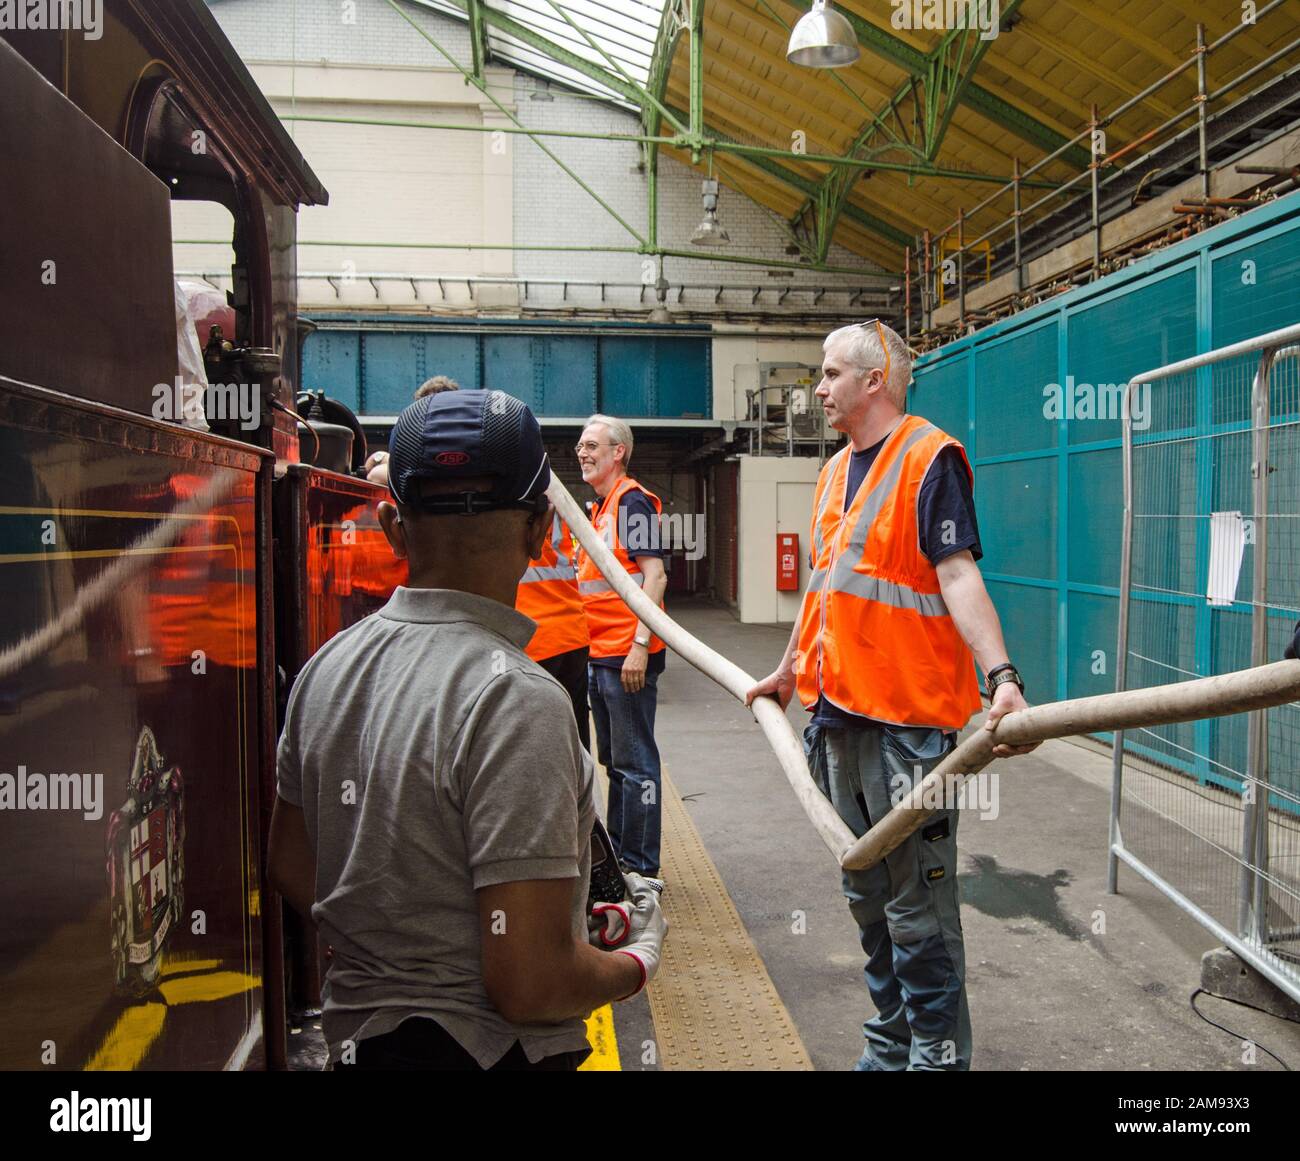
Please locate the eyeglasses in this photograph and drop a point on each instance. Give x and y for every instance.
(590, 447)
(884, 346)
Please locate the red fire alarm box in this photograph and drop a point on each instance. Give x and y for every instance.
(787, 562)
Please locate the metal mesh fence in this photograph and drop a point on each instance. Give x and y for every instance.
(1209, 811)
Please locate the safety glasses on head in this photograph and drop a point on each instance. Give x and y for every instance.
(884, 346)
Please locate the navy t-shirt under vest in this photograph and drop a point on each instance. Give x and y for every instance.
(945, 496)
(638, 532)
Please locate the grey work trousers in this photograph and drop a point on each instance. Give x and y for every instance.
(906, 907)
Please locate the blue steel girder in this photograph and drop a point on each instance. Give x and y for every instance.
(931, 95)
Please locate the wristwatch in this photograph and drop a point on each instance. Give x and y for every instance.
(1000, 675)
(644, 642)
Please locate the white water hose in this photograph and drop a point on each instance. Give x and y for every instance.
(776, 726)
(1261, 687)
(1257, 688)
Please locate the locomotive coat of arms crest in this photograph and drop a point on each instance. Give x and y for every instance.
(146, 867)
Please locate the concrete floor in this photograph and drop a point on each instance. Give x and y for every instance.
(1045, 991)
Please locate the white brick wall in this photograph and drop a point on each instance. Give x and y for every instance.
(552, 209)
(387, 185)
(341, 31)
(330, 40)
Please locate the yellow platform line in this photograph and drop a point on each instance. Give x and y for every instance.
(129, 1040)
(713, 1002)
(604, 1044)
(600, 1024)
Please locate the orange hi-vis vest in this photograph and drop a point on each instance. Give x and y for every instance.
(203, 593)
(548, 593)
(375, 571)
(611, 623)
(875, 636)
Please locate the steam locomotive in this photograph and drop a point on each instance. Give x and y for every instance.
(161, 583)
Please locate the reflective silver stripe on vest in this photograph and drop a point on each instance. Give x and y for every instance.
(873, 588)
(871, 508)
(592, 587)
(546, 573)
(819, 542)
(557, 535)
(815, 581)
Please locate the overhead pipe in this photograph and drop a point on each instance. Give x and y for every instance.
(907, 294)
(1202, 112)
(1015, 218)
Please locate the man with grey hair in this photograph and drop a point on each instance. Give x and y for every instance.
(881, 655)
(626, 658)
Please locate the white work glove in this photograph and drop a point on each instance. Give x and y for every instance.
(646, 928)
(608, 925)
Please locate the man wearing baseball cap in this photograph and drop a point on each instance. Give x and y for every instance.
(435, 806)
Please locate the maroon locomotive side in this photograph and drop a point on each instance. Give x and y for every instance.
(149, 620)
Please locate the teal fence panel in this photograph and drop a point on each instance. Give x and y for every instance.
(1118, 334)
(1035, 399)
(1011, 417)
(1028, 614)
(941, 394)
(1018, 508)
(1255, 287)
(1091, 629)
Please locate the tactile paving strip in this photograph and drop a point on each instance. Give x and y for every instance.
(713, 1003)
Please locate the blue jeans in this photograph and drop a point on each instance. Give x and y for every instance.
(906, 907)
(625, 745)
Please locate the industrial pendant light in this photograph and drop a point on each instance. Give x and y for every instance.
(823, 39)
(709, 232)
(659, 313)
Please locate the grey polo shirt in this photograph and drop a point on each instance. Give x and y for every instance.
(432, 758)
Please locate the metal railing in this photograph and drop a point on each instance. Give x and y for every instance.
(842, 302)
(1211, 809)
(934, 257)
